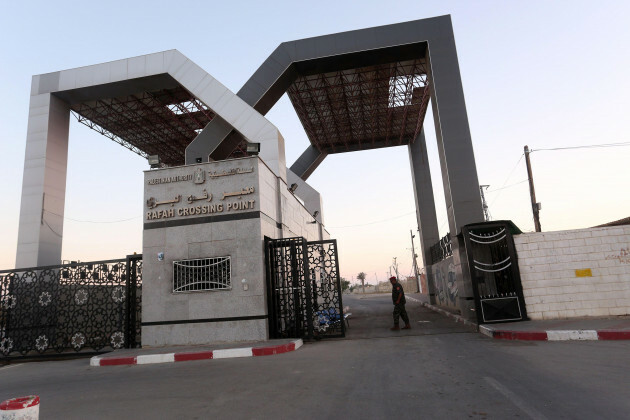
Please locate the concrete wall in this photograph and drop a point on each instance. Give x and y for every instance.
(369, 289)
(229, 315)
(188, 318)
(295, 217)
(409, 286)
(575, 273)
(282, 214)
(445, 283)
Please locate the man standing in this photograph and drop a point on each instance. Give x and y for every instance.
(398, 297)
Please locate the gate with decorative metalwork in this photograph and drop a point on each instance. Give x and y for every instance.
(303, 289)
(56, 311)
(494, 270)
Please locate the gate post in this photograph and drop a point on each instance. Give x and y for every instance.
(128, 300)
(343, 324)
(132, 302)
(271, 298)
(131, 282)
(309, 294)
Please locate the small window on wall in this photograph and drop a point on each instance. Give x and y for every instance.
(202, 274)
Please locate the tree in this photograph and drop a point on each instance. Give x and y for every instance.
(361, 276)
(345, 284)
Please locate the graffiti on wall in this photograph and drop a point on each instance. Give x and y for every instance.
(623, 256)
(445, 283)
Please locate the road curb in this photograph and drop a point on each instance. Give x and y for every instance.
(198, 355)
(549, 335)
(555, 335)
(455, 317)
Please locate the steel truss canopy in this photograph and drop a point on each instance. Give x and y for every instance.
(366, 107)
(156, 116)
(161, 122)
(361, 99)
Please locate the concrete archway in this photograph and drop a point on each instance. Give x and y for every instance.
(353, 91)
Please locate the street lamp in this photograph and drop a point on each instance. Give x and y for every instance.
(253, 148)
(154, 161)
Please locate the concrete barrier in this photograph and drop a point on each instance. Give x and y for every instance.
(21, 408)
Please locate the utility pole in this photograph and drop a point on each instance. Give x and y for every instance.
(486, 213)
(413, 259)
(395, 266)
(532, 192)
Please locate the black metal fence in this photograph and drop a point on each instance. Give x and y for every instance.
(304, 289)
(287, 288)
(78, 307)
(442, 249)
(328, 320)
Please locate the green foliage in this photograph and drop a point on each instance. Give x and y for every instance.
(345, 284)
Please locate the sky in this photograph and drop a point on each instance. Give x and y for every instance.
(549, 75)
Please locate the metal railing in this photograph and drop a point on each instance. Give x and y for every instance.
(442, 249)
(77, 307)
(202, 274)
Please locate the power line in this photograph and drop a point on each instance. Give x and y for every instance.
(92, 221)
(372, 223)
(590, 146)
(507, 186)
(51, 229)
(507, 179)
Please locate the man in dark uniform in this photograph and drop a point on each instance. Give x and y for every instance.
(398, 297)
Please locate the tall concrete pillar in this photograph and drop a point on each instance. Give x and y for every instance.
(459, 172)
(425, 204)
(308, 161)
(44, 184)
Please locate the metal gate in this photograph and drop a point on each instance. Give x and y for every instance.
(303, 289)
(494, 270)
(79, 307)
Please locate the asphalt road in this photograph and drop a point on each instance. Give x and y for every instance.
(439, 369)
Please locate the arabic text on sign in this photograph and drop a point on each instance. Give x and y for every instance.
(235, 171)
(244, 191)
(191, 199)
(151, 203)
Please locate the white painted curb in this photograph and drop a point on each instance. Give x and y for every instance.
(193, 355)
(229, 353)
(559, 335)
(155, 358)
(486, 331)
